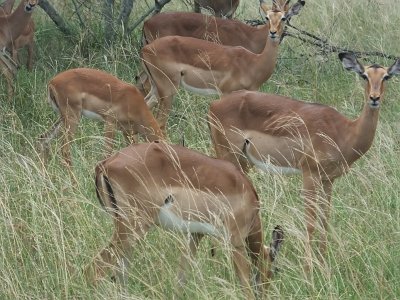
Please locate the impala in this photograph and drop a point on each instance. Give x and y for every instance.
(25, 39)
(220, 8)
(6, 7)
(11, 27)
(180, 190)
(97, 95)
(282, 135)
(222, 31)
(208, 68)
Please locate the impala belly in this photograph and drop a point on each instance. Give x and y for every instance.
(92, 105)
(274, 154)
(91, 115)
(199, 81)
(190, 210)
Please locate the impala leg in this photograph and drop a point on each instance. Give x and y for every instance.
(114, 258)
(45, 139)
(325, 206)
(164, 109)
(148, 127)
(223, 147)
(186, 258)
(310, 199)
(29, 63)
(109, 129)
(10, 81)
(14, 55)
(71, 122)
(242, 268)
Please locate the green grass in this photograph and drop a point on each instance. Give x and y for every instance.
(50, 229)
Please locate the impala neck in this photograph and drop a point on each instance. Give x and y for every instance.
(363, 132)
(267, 59)
(18, 20)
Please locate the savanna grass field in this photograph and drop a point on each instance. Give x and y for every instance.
(51, 227)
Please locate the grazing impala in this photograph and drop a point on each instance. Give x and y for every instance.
(97, 95)
(220, 8)
(181, 190)
(282, 135)
(208, 68)
(11, 27)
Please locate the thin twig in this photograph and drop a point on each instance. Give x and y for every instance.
(323, 43)
(159, 4)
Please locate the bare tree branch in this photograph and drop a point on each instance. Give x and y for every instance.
(108, 8)
(322, 43)
(159, 4)
(126, 9)
(329, 48)
(55, 16)
(81, 23)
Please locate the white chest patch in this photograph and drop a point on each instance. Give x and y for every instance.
(167, 219)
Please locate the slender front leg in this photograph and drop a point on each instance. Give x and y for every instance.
(186, 258)
(325, 206)
(164, 108)
(117, 252)
(242, 267)
(310, 199)
(109, 129)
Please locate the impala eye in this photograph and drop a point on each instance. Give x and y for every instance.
(386, 77)
(283, 19)
(266, 18)
(364, 76)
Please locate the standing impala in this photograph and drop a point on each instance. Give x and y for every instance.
(6, 7)
(24, 39)
(181, 190)
(282, 135)
(11, 27)
(218, 30)
(220, 8)
(222, 31)
(97, 95)
(208, 68)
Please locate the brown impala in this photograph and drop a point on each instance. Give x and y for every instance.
(282, 135)
(218, 30)
(208, 68)
(11, 27)
(100, 96)
(181, 190)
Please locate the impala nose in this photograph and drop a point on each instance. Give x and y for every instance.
(374, 97)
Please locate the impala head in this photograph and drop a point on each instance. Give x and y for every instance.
(277, 16)
(30, 5)
(374, 75)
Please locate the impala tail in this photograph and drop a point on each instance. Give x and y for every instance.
(276, 243)
(104, 190)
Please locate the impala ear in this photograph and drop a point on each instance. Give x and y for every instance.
(295, 9)
(394, 69)
(351, 63)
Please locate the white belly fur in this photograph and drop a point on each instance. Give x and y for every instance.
(199, 91)
(167, 219)
(91, 115)
(267, 167)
